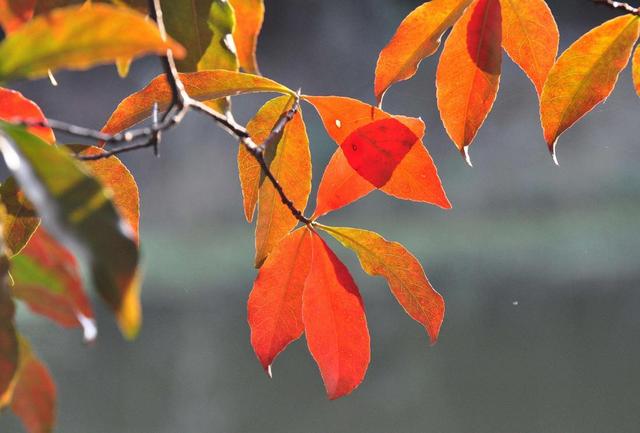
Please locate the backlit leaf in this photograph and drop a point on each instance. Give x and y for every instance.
(77, 210)
(15, 107)
(401, 269)
(203, 86)
(530, 37)
(14, 13)
(585, 75)
(469, 71)
(415, 177)
(78, 38)
(417, 37)
(33, 394)
(334, 322)
(47, 278)
(275, 302)
(20, 220)
(635, 70)
(290, 162)
(249, 17)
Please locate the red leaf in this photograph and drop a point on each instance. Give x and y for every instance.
(14, 107)
(469, 71)
(415, 177)
(8, 337)
(376, 149)
(335, 322)
(275, 303)
(14, 13)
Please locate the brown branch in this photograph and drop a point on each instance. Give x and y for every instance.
(620, 5)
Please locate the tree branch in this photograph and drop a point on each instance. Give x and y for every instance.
(619, 5)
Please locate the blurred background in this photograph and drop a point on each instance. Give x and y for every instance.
(538, 264)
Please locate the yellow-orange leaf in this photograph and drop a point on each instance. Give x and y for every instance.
(401, 269)
(469, 71)
(530, 37)
(417, 37)
(635, 70)
(290, 162)
(249, 17)
(275, 302)
(203, 86)
(585, 74)
(78, 38)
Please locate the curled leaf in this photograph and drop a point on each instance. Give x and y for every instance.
(334, 322)
(401, 269)
(417, 37)
(585, 75)
(79, 38)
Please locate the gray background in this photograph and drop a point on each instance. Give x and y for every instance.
(560, 242)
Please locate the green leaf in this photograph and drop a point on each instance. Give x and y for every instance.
(77, 210)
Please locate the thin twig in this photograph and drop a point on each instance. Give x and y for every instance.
(619, 5)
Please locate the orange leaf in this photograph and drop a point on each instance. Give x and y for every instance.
(401, 269)
(14, 13)
(249, 17)
(469, 71)
(47, 278)
(334, 322)
(414, 178)
(79, 37)
(203, 86)
(635, 70)
(275, 303)
(8, 336)
(290, 162)
(530, 37)
(14, 107)
(585, 75)
(417, 37)
(34, 394)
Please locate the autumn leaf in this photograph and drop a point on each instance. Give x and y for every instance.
(8, 337)
(77, 210)
(14, 107)
(203, 86)
(635, 70)
(249, 17)
(33, 394)
(530, 36)
(47, 278)
(20, 220)
(469, 72)
(334, 322)
(79, 38)
(275, 302)
(417, 37)
(14, 13)
(401, 269)
(585, 75)
(289, 160)
(414, 178)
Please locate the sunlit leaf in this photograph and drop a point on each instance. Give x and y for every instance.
(530, 37)
(47, 278)
(77, 210)
(415, 177)
(78, 38)
(15, 107)
(249, 17)
(585, 75)
(334, 322)
(417, 37)
(20, 220)
(469, 71)
(203, 86)
(401, 269)
(635, 70)
(289, 161)
(275, 302)
(14, 13)
(33, 394)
